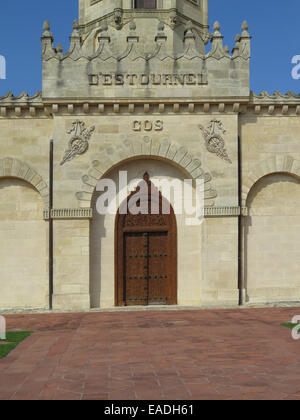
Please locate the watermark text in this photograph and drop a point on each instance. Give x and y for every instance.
(2, 68)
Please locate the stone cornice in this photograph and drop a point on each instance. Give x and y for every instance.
(274, 104)
(23, 98)
(36, 106)
(275, 98)
(128, 15)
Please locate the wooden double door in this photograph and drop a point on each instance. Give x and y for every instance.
(146, 259)
(147, 270)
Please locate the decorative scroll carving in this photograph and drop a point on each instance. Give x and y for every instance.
(79, 142)
(214, 142)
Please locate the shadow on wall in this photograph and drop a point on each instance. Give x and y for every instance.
(97, 233)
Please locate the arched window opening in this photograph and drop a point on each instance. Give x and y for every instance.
(145, 4)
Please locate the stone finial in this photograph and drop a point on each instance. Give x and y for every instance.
(236, 48)
(190, 51)
(217, 28)
(189, 34)
(217, 50)
(161, 36)
(245, 42)
(75, 25)
(104, 37)
(104, 26)
(227, 50)
(132, 25)
(75, 42)
(189, 27)
(161, 26)
(48, 50)
(245, 28)
(59, 49)
(132, 37)
(46, 26)
(46, 29)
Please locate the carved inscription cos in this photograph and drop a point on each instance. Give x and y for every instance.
(148, 125)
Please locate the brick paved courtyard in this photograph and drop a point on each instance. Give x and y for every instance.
(204, 354)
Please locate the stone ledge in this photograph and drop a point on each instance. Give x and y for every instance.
(69, 214)
(36, 106)
(222, 211)
(87, 213)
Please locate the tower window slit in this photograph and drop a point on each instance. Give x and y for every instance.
(145, 4)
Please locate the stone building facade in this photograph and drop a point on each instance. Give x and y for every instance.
(139, 91)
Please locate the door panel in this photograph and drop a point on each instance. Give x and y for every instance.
(136, 269)
(158, 268)
(147, 273)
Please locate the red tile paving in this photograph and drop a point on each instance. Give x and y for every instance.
(203, 354)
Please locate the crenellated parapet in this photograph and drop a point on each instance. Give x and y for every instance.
(124, 68)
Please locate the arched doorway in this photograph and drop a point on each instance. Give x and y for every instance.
(146, 253)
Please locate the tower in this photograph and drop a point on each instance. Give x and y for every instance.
(147, 13)
(145, 49)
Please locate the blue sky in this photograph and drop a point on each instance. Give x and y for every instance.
(274, 26)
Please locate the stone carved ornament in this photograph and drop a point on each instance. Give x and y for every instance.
(79, 142)
(214, 141)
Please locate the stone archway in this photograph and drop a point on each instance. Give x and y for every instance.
(102, 239)
(163, 150)
(14, 168)
(274, 164)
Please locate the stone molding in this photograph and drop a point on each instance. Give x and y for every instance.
(159, 149)
(87, 213)
(14, 168)
(24, 106)
(69, 214)
(274, 164)
(277, 96)
(23, 98)
(222, 211)
(171, 17)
